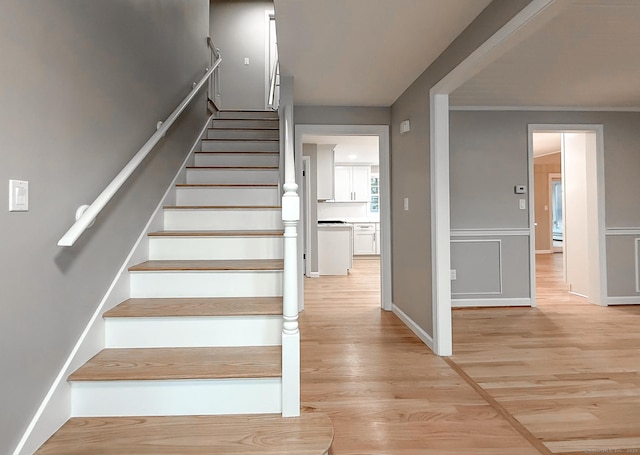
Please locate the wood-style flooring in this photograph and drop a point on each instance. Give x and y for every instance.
(562, 378)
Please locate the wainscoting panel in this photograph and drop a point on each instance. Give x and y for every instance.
(478, 266)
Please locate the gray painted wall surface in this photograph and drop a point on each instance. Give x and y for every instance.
(342, 115)
(238, 29)
(84, 84)
(410, 171)
(501, 139)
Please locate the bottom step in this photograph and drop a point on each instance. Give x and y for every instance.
(309, 434)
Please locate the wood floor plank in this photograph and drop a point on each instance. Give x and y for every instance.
(181, 363)
(309, 434)
(384, 390)
(214, 265)
(569, 371)
(198, 307)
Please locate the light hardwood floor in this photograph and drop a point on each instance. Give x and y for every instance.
(562, 378)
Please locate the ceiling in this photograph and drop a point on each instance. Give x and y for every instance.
(587, 56)
(546, 143)
(348, 149)
(364, 52)
(367, 52)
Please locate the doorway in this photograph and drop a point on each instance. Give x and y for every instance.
(377, 204)
(568, 204)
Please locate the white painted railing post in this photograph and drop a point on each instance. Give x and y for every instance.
(290, 331)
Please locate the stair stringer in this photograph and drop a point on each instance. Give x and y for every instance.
(55, 408)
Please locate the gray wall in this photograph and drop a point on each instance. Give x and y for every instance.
(238, 29)
(410, 171)
(84, 84)
(342, 115)
(481, 195)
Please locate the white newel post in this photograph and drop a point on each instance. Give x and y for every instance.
(290, 331)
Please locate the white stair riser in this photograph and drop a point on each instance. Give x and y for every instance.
(236, 159)
(247, 176)
(227, 196)
(169, 332)
(180, 397)
(240, 146)
(210, 248)
(247, 115)
(254, 123)
(262, 283)
(215, 133)
(232, 220)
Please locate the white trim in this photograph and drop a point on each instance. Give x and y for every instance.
(544, 252)
(313, 275)
(46, 420)
(440, 225)
(415, 328)
(624, 300)
(548, 108)
(623, 231)
(306, 189)
(637, 266)
(504, 39)
(499, 242)
(597, 267)
(382, 131)
(490, 232)
(474, 303)
(532, 218)
(553, 176)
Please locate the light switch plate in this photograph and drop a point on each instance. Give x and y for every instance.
(522, 203)
(406, 204)
(18, 196)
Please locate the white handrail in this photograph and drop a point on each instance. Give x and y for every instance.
(85, 218)
(290, 331)
(272, 85)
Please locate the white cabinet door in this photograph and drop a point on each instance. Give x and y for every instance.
(360, 183)
(364, 239)
(342, 175)
(351, 183)
(378, 239)
(324, 174)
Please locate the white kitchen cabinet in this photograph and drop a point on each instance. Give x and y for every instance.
(351, 183)
(324, 173)
(335, 256)
(378, 239)
(364, 238)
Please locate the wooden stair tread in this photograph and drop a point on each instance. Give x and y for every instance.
(267, 434)
(242, 129)
(263, 152)
(240, 140)
(270, 168)
(212, 265)
(222, 207)
(216, 233)
(196, 307)
(149, 364)
(227, 185)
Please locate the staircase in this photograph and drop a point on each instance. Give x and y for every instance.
(192, 360)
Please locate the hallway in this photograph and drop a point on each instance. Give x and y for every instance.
(561, 378)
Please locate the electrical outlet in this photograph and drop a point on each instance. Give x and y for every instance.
(522, 203)
(406, 204)
(454, 274)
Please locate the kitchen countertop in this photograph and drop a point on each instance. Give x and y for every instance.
(357, 220)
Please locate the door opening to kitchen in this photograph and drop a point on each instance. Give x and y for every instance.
(344, 229)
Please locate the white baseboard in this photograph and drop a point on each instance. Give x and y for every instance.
(415, 328)
(471, 303)
(626, 300)
(313, 275)
(55, 408)
(544, 251)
